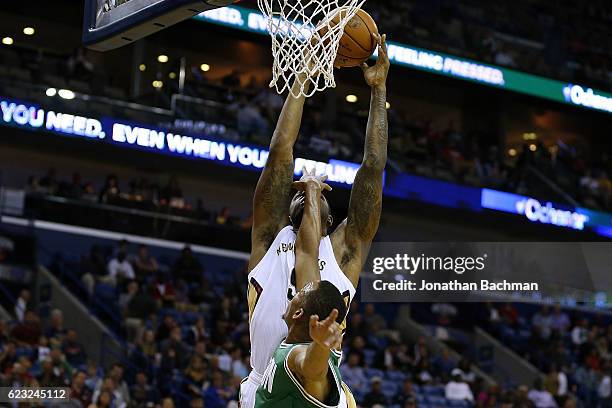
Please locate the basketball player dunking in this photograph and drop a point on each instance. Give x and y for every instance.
(272, 280)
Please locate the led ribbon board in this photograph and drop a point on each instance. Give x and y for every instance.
(547, 213)
(445, 64)
(147, 138)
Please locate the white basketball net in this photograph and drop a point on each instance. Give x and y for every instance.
(305, 41)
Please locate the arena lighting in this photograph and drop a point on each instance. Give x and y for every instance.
(158, 84)
(29, 31)
(51, 92)
(533, 147)
(388, 105)
(66, 94)
(351, 98)
(162, 58)
(529, 136)
(142, 67)
(205, 67)
(512, 152)
(172, 75)
(7, 41)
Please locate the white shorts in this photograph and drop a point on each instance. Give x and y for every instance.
(248, 389)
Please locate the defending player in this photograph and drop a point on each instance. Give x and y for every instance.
(272, 280)
(307, 375)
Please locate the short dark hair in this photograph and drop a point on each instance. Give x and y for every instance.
(321, 301)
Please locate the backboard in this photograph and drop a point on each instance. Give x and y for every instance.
(110, 24)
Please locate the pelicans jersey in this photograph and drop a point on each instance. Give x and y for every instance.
(271, 287)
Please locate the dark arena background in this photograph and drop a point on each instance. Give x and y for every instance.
(141, 161)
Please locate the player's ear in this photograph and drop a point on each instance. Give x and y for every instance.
(298, 314)
(330, 221)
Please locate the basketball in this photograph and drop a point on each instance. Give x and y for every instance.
(357, 43)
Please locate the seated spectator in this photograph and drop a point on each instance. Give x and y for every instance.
(172, 195)
(145, 264)
(8, 357)
(540, 397)
(49, 377)
(217, 395)
(224, 216)
(115, 384)
(580, 333)
(49, 182)
(197, 374)
(73, 350)
(142, 393)
(187, 266)
(353, 374)
(541, 322)
(92, 267)
(56, 329)
(79, 391)
(374, 322)
(457, 389)
(163, 290)
(405, 395)
(28, 331)
(43, 350)
(444, 364)
(21, 306)
(107, 396)
(375, 396)
(119, 269)
(197, 332)
(559, 320)
(110, 192)
(140, 308)
(175, 342)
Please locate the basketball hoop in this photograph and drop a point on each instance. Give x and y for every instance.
(305, 39)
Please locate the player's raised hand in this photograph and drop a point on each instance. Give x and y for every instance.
(376, 75)
(311, 179)
(327, 333)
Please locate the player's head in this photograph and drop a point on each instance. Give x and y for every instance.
(296, 211)
(317, 298)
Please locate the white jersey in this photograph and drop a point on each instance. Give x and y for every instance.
(272, 286)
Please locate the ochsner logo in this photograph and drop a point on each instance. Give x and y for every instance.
(547, 214)
(587, 97)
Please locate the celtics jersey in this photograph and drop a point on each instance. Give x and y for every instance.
(281, 389)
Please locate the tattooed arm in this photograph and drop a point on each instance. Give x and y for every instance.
(273, 191)
(352, 239)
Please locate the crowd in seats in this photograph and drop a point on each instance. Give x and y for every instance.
(141, 193)
(562, 39)
(571, 349)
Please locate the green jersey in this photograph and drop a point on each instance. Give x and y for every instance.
(281, 389)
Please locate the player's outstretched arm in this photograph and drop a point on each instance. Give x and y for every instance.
(310, 363)
(365, 205)
(273, 191)
(309, 233)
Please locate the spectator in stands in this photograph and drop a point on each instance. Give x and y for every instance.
(108, 396)
(240, 364)
(49, 377)
(580, 333)
(140, 308)
(551, 381)
(187, 267)
(142, 393)
(540, 397)
(406, 394)
(223, 217)
(196, 374)
(116, 383)
(79, 391)
(8, 357)
(217, 395)
(457, 389)
(374, 322)
(196, 402)
(56, 329)
(74, 189)
(92, 267)
(559, 320)
(467, 373)
(119, 269)
(73, 350)
(172, 195)
(110, 192)
(232, 80)
(353, 374)
(164, 291)
(21, 305)
(444, 363)
(176, 343)
(126, 297)
(29, 331)
(541, 323)
(197, 332)
(43, 350)
(145, 265)
(79, 66)
(375, 396)
(49, 182)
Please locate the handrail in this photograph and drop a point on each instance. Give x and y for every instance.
(552, 185)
